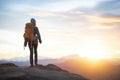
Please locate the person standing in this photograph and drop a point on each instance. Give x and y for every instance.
(33, 44)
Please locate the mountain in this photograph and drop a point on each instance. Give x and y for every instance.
(10, 71)
(23, 61)
(93, 70)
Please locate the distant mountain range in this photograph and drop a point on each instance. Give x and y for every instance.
(22, 61)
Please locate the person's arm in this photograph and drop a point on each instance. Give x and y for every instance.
(38, 34)
(25, 43)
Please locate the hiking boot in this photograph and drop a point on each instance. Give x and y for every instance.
(31, 65)
(36, 64)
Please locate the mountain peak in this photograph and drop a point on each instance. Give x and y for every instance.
(51, 67)
(7, 65)
(10, 71)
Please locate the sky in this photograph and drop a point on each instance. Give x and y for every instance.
(83, 27)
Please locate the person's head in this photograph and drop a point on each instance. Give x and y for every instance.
(33, 21)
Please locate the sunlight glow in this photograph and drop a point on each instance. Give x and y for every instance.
(93, 51)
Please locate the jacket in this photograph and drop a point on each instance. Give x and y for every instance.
(37, 35)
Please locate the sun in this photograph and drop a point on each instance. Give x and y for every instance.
(93, 51)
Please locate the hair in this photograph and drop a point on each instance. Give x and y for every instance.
(33, 21)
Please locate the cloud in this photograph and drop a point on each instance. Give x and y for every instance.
(109, 7)
(47, 14)
(105, 15)
(63, 24)
(79, 18)
(108, 13)
(45, 5)
(104, 22)
(9, 37)
(99, 18)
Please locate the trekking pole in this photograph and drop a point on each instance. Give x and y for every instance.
(31, 44)
(24, 47)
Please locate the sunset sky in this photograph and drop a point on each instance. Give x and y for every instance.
(88, 28)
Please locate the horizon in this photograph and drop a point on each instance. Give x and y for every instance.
(86, 28)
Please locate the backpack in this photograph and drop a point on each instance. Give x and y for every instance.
(29, 32)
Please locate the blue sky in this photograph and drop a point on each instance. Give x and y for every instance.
(66, 26)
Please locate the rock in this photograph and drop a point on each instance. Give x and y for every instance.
(50, 67)
(8, 65)
(9, 71)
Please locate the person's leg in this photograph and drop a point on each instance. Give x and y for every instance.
(35, 51)
(31, 53)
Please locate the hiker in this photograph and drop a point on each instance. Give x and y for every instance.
(32, 43)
